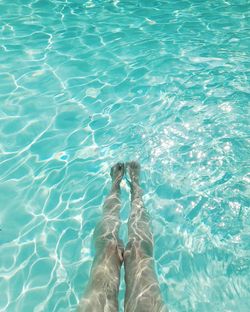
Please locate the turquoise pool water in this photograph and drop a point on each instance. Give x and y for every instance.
(84, 84)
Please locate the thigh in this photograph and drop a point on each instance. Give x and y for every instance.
(142, 289)
(103, 287)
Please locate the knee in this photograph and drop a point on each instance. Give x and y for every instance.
(110, 246)
(107, 239)
(139, 249)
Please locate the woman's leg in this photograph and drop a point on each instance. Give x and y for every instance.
(142, 288)
(102, 290)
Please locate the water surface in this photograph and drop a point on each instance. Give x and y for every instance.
(85, 84)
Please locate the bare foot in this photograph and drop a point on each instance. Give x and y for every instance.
(117, 172)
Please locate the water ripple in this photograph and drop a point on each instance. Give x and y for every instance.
(87, 84)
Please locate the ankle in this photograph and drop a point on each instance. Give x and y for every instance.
(115, 186)
(135, 183)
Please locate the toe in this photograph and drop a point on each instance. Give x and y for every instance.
(117, 169)
(134, 165)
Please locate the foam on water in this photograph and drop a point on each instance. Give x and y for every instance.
(85, 84)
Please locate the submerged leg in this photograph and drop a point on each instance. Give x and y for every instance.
(142, 288)
(102, 289)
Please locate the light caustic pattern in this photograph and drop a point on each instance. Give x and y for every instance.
(84, 84)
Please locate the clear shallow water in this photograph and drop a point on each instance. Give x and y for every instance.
(87, 84)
